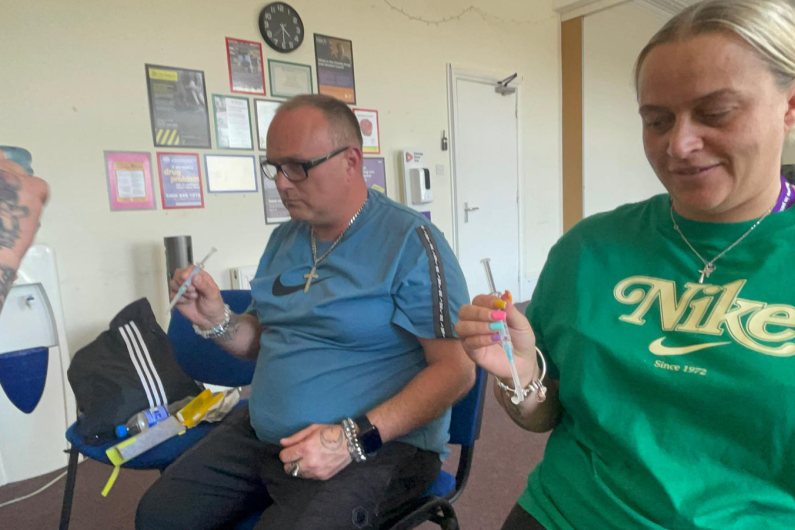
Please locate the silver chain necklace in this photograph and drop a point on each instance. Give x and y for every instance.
(316, 261)
(709, 266)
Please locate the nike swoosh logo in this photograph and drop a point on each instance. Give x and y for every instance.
(657, 347)
(279, 289)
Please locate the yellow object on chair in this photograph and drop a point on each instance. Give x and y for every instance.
(193, 413)
(189, 416)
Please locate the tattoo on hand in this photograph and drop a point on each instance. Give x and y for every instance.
(7, 275)
(326, 438)
(10, 210)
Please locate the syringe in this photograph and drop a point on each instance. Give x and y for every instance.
(505, 338)
(187, 282)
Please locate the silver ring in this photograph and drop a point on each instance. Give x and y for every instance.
(294, 468)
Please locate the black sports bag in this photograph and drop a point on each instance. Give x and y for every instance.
(128, 368)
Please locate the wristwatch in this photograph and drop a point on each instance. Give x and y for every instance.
(369, 437)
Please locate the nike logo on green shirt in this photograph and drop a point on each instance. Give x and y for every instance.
(657, 347)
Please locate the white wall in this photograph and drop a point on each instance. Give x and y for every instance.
(788, 156)
(74, 86)
(615, 169)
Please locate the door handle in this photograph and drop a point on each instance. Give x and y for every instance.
(467, 209)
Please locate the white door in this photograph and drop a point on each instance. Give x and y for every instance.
(485, 143)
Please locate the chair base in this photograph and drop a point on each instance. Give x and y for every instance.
(69, 489)
(437, 510)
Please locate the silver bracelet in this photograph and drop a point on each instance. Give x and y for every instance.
(354, 447)
(535, 385)
(216, 331)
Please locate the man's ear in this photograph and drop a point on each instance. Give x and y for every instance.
(353, 161)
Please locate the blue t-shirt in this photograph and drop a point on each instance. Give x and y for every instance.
(350, 343)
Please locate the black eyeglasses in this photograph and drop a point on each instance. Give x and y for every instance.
(296, 170)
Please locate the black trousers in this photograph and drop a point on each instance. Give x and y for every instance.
(231, 473)
(519, 519)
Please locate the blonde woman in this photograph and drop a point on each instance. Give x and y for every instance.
(668, 326)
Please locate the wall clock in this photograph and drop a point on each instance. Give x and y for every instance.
(281, 27)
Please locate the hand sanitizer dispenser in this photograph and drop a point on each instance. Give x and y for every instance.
(418, 187)
(421, 191)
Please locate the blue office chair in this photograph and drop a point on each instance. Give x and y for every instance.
(203, 361)
(436, 504)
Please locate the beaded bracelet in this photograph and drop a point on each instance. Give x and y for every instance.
(354, 447)
(535, 385)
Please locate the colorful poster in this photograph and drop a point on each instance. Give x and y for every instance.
(232, 122)
(334, 59)
(246, 72)
(231, 173)
(374, 170)
(178, 107)
(266, 110)
(129, 180)
(275, 212)
(180, 180)
(289, 79)
(371, 135)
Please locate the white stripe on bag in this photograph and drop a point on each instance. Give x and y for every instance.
(137, 368)
(151, 364)
(145, 367)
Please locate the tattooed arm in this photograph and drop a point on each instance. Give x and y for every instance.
(22, 199)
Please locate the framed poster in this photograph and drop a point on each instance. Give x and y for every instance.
(232, 122)
(231, 173)
(129, 180)
(246, 73)
(334, 60)
(180, 180)
(266, 110)
(275, 212)
(371, 135)
(374, 171)
(178, 107)
(289, 79)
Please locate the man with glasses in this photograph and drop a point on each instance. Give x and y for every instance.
(352, 319)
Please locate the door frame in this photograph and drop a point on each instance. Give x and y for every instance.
(454, 73)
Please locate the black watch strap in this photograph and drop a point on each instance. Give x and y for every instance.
(369, 437)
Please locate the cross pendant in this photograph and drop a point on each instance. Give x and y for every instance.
(309, 277)
(706, 271)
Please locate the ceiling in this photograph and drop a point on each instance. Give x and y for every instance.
(670, 6)
(572, 8)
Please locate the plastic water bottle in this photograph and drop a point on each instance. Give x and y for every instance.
(150, 417)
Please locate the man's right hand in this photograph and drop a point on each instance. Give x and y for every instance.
(202, 303)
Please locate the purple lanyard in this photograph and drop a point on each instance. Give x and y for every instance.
(786, 198)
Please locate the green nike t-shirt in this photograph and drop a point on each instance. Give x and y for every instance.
(678, 397)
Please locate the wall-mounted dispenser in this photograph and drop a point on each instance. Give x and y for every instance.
(36, 402)
(421, 191)
(417, 184)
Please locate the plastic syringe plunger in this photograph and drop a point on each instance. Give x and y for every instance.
(489, 278)
(505, 339)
